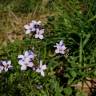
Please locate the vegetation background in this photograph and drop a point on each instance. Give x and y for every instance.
(73, 21)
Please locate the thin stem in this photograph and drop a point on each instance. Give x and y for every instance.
(80, 51)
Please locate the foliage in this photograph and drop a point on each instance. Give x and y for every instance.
(74, 23)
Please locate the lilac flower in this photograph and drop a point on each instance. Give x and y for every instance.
(28, 28)
(6, 65)
(31, 27)
(39, 33)
(26, 60)
(60, 47)
(41, 69)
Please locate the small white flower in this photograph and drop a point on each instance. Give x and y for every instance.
(23, 67)
(31, 27)
(60, 47)
(39, 33)
(29, 54)
(41, 69)
(26, 60)
(6, 65)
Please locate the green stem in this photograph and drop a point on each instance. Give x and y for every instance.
(80, 53)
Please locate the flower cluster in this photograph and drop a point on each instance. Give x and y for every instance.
(35, 27)
(26, 60)
(5, 66)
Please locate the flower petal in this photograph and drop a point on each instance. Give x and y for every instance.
(4, 63)
(56, 51)
(44, 67)
(38, 70)
(41, 63)
(41, 36)
(41, 31)
(30, 64)
(24, 67)
(34, 22)
(36, 36)
(10, 66)
(20, 56)
(21, 62)
(28, 31)
(31, 56)
(33, 29)
(63, 47)
(61, 42)
(62, 52)
(39, 22)
(9, 62)
(26, 54)
(26, 26)
(5, 69)
(42, 73)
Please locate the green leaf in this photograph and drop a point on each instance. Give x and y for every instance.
(68, 91)
(73, 74)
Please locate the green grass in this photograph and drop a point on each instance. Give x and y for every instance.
(73, 21)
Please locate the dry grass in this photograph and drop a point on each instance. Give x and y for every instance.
(11, 24)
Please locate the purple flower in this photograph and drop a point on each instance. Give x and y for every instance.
(31, 27)
(39, 33)
(60, 47)
(6, 65)
(26, 60)
(41, 69)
